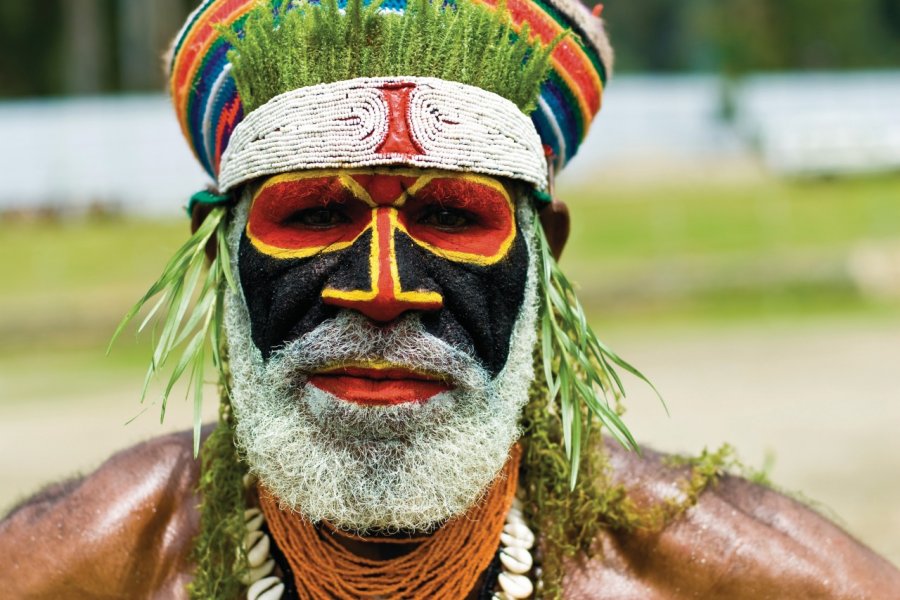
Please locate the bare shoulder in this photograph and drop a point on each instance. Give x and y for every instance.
(740, 540)
(126, 526)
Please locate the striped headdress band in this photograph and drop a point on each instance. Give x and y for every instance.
(209, 107)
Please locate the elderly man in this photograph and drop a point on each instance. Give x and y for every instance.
(382, 284)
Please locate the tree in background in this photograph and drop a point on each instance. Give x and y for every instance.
(889, 11)
(85, 46)
(647, 34)
(739, 36)
(806, 34)
(85, 43)
(145, 30)
(31, 60)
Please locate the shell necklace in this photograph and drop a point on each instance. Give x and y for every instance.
(515, 558)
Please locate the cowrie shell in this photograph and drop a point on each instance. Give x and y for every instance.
(515, 516)
(257, 545)
(515, 586)
(516, 560)
(257, 573)
(269, 588)
(518, 535)
(511, 542)
(253, 519)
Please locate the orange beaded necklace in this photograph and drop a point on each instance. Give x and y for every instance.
(446, 564)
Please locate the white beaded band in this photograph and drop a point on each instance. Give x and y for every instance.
(412, 121)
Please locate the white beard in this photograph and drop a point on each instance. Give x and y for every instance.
(407, 467)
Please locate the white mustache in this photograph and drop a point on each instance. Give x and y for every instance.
(351, 338)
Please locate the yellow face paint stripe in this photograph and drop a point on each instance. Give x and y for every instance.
(298, 176)
(285, 254)
(374, 271)
(412, 296)
(357, 190)
(380, 365)
(424, 177)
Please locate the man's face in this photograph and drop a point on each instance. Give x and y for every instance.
(382, 348)
(383, 243)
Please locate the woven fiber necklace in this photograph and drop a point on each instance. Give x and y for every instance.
(446, 564)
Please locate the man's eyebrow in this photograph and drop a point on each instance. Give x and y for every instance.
(333, 184)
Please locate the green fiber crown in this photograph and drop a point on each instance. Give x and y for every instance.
(302, 44)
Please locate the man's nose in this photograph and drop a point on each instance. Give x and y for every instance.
(385, 298)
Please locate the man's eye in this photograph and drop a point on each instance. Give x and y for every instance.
(317, 217)
(447, 218)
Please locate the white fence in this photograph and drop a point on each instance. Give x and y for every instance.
(823, 123)
(72, 153)
(128, 150)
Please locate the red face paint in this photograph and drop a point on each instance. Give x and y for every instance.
(297, 218)
(482, 209)
(379, 387)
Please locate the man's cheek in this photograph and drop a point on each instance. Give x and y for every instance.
(481, 303)
(283, 295)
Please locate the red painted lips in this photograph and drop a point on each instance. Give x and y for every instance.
(379, 386)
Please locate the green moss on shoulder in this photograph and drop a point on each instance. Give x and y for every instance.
(570, 521)
(219, 553)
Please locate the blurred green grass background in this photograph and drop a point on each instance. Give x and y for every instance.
(676, 275)
(728, 250)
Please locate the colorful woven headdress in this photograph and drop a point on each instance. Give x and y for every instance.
(211, 105)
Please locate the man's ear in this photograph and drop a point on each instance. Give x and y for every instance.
(555, 220)
(198, 215)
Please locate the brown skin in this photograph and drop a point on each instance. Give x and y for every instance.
(126, 531)
(740, 542)
(123, 532)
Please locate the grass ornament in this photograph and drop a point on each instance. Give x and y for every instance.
(219, 553)
(578, 368)
(321, 43)
(186, 315)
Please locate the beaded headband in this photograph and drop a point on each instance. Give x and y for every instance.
(210, 108)
(414, 121)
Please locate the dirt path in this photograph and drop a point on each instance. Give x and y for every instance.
(825, 400)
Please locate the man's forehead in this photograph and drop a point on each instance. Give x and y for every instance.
(381, 186)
